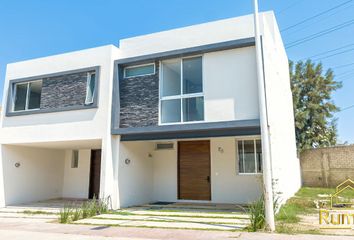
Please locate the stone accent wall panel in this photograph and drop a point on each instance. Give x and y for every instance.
(64, 91)
(139, 100)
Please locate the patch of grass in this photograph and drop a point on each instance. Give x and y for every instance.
(312, 193)
(29, 212)
(301, 204)
(289, 229)
(284, 228)
(121, 213)
(288, 213)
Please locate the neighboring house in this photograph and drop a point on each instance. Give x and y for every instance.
(169, 116)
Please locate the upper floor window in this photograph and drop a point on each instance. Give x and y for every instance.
(249, 156)
(181, 91)
(141, 70)
(90, 87)
(27, 95)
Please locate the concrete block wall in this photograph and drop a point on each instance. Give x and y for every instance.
(327, 167)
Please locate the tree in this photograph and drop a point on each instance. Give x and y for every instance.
(312, 91)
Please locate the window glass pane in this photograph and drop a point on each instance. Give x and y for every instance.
(259, 155)
(34, 100)
(75, 159)
(139, 70)
(90, 88)
(192, 75)
(193, 109)
(250, 166)
(171, 75)
(20, 98)
(240, 156)
(171, 111)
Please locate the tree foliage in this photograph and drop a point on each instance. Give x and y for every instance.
(313, 106)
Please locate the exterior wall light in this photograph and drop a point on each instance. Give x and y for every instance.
(220, 149)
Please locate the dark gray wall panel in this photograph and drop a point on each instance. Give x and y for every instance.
(64, 91)
(139, 100)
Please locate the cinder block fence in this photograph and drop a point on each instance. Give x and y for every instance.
(327, 167)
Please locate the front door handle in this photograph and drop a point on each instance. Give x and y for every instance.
(208, 179)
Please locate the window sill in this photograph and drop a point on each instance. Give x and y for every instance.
(249, 174)
(38, 111)
(181, 123)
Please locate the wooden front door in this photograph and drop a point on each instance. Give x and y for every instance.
(194, 170)
(95, 174)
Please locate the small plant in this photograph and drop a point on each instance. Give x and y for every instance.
(103, 206)
(65, 214)
(76, 214)
(257, 215)
(93, 207)
(87, 209)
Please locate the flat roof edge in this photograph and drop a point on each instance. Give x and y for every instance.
(191, 127)
(213, 47)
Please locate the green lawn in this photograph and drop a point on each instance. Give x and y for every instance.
(304, 203)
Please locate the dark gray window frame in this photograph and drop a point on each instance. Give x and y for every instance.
(13, 82)
(120, 64)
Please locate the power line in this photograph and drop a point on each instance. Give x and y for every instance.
(290, 6)
(315, 16)
(320, 19)
(334, 54)
(343, 65)
(329, 51)
(346, 108)
(321, 33)
(344, 74)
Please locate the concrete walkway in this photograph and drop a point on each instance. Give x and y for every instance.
(28, 230)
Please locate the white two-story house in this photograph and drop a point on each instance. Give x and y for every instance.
(170, 116)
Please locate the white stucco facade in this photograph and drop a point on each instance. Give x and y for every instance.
(134, 172)
(151, 175)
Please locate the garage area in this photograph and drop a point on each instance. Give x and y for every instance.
(62, 171)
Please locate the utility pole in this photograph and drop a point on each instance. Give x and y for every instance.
(267, 167)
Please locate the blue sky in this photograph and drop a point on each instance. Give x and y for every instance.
(37, 28)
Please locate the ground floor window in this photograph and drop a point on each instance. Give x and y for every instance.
(249, 156)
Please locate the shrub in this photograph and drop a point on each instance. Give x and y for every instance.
(257, 215)
(65, 214)
(76, 214)
(87, 209)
